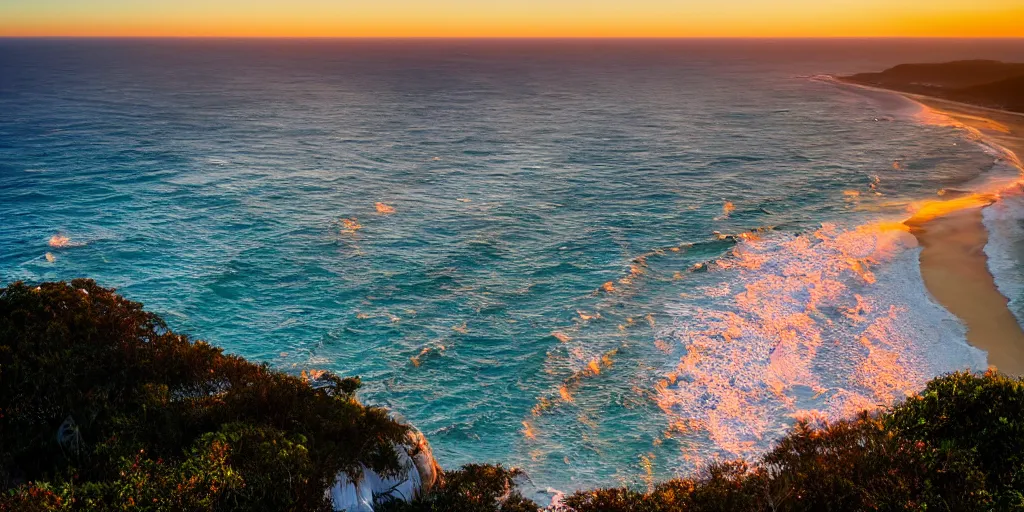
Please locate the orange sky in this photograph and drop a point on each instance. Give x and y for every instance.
(514, 18)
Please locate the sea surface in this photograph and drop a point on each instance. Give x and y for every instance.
(601, 261)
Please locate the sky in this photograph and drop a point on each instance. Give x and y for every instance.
(513, 18)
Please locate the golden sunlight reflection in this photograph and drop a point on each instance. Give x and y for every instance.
(561, 336)
(727, 209)
(793, 305)
(350, 226)
(744, 365)
(928, 210)
(58, 241)
(747, 363)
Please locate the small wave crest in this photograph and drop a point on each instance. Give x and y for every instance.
(60, 241)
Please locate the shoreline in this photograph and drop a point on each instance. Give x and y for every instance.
(953, 262)
(924, 98)
(954, 268)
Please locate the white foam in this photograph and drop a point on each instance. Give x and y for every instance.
(817, 325)
(1003, 220)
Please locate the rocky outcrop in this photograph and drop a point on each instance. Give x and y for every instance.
(420, 474)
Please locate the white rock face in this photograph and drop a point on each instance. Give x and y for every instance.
(421, 473)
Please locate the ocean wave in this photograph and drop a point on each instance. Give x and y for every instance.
(265, 223)
(824, 324)
(1004, 222)
(1003, 214)
(821, 324)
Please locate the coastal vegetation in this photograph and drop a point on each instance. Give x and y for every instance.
(102, 407)
(986, 83)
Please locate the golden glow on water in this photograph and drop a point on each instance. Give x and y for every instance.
(59, 241)
(743, 364)
(528, 430)
(749, 359)
(647, 463)
(727, 209)
(985, 194)
(350, 226)
(928, 210)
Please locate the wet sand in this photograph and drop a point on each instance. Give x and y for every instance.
(953, 261)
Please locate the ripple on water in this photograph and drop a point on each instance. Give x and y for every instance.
(598, 266)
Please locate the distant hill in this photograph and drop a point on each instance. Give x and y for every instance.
(1008, 93)
(987, 83)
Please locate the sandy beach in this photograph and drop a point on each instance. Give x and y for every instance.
(953, 261)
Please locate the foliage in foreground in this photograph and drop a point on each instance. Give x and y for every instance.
(473, 488)
(958, 446)
(103, 408)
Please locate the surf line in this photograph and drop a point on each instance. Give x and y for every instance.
(954, 265)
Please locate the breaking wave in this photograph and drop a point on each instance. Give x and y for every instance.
(815, 325)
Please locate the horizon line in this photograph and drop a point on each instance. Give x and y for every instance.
(520, 38)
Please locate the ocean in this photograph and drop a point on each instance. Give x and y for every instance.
(603, 262)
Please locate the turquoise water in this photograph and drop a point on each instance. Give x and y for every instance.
(232, 186)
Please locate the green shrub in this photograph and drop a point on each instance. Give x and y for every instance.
(474, 488)
(972, 427)
(956, 447)
(103, 408)
(106, 409)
